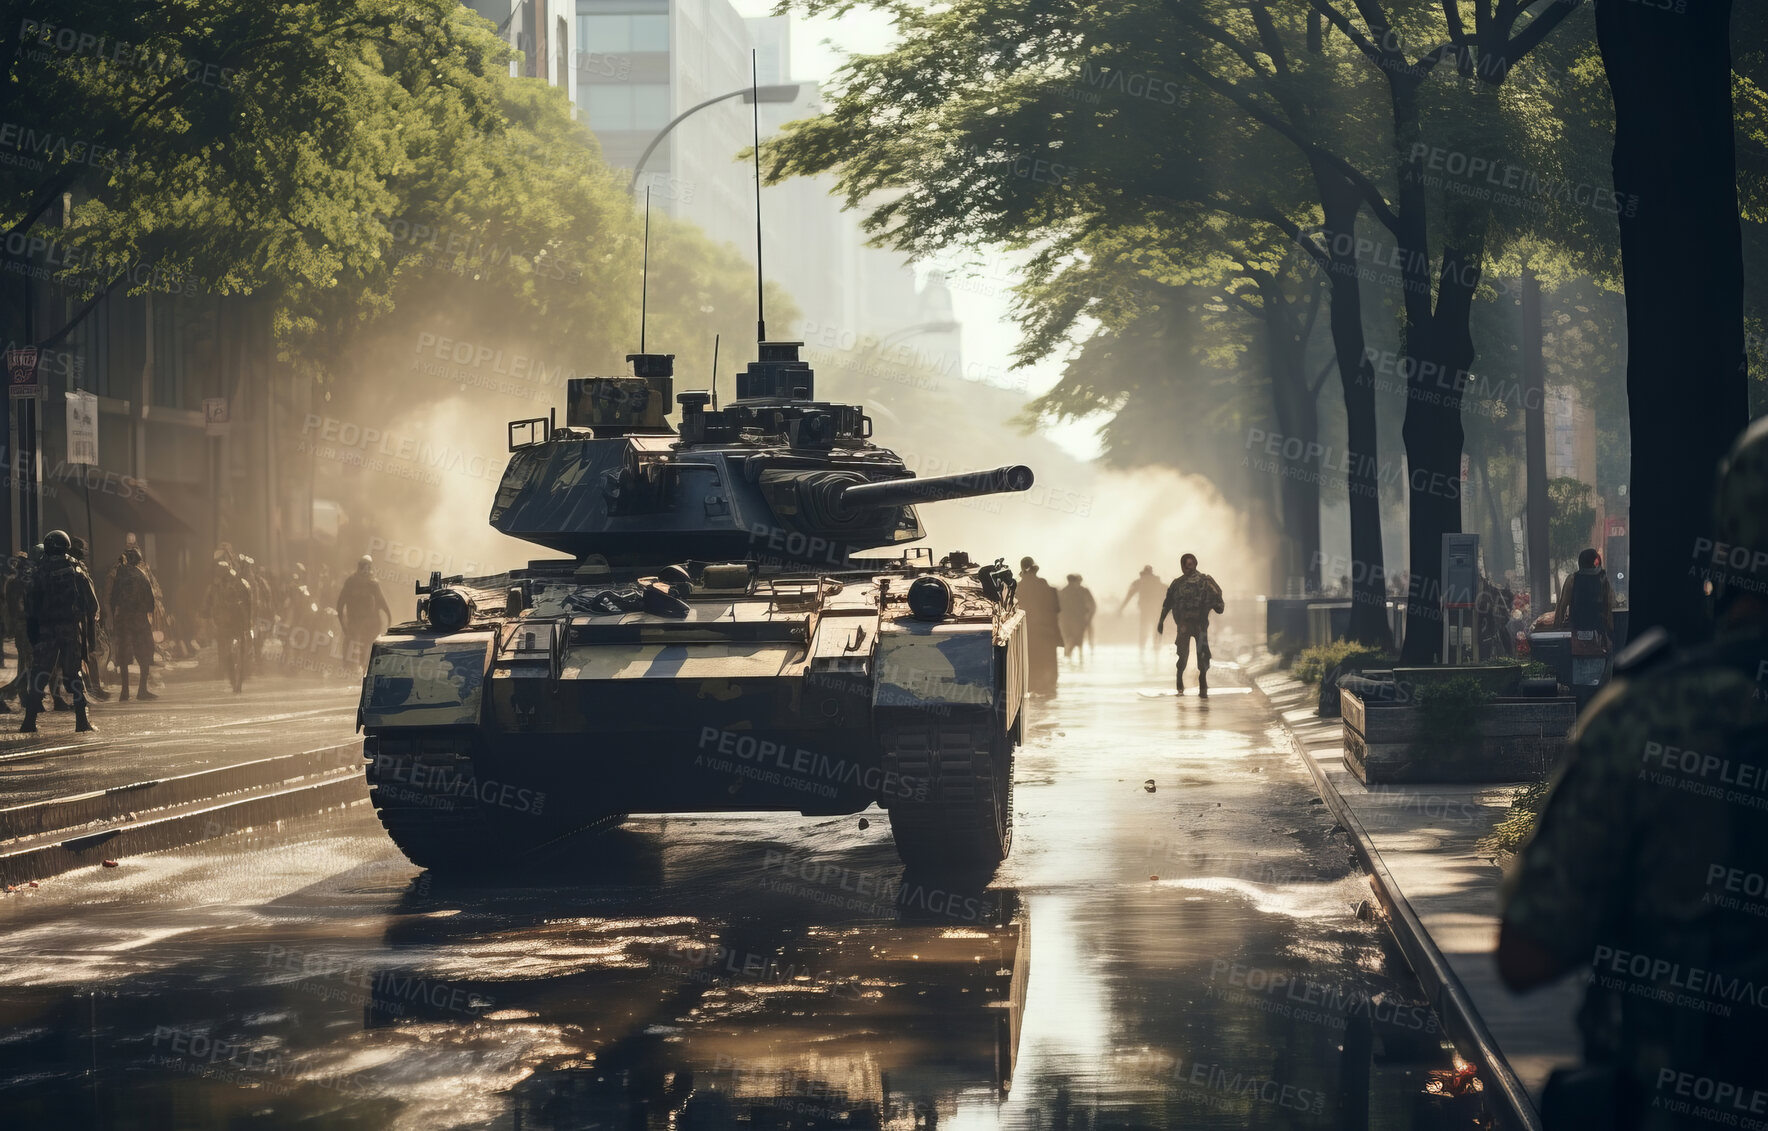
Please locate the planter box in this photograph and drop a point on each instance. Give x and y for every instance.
(1513, 740)
(1499, 679)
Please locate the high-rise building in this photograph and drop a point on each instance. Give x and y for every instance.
(544, 31)
(643, 63)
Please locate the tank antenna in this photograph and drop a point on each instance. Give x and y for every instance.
(715, 373)
(644, 278)
(755, 105)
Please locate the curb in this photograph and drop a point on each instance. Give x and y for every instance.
(1461, 1019)
(180, 830)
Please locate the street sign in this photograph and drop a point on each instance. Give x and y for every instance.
(21, 371)
(83, 428)
(215, 417)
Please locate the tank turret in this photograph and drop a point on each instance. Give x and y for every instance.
(772, 469)
(713, 643)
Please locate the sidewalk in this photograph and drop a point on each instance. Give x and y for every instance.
(1423, 840)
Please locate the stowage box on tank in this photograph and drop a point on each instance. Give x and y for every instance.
(711, 640)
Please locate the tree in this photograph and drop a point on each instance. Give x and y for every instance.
(1687, 382)
(1568, 531)
(1080, 141)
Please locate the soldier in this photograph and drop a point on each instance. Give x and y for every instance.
(1190, 599)
(255, 577)
(18, 583)
(97, 630)
(228, 605)
(1147, 590)
(59, 607)
(1078, 607)
(1044, 631)
(360, 607)
(1643, 859)
(132, 608)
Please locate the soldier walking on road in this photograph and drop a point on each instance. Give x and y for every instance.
(1043, 629)
(361, 605)
(1078, 607)
(59, 608)
(1147, 591)
(97, 630)
(1190, 599)
(132, 608)
(228, 605)
(1641, 865)
(18, 583)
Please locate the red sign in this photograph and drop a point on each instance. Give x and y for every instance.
(1617, 526)
(21, 365)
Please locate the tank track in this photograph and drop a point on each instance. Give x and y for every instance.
(962, 824)
(413, 783)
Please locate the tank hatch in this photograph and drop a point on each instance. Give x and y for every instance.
(625, 406)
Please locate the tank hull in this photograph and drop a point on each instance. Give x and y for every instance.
(520, 733)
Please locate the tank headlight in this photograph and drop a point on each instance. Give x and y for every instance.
(449, 610)
(930, 598)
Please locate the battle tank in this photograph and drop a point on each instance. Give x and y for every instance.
(714, 638)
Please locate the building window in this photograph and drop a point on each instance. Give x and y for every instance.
(633, 106)
(616, 35)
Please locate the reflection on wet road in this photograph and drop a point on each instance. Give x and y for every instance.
(1173, 942)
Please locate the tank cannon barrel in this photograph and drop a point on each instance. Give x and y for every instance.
(935, 488)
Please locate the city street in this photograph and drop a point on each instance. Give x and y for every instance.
(1175, 940)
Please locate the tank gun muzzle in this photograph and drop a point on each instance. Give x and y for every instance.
(934, 488)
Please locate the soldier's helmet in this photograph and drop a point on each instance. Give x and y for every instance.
(1740, 508)
(57, 542)
(132, 556)
(364, 562)
(1027, 563)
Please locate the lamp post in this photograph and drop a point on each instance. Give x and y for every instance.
(784, 92)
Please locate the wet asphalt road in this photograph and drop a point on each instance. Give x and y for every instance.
(1182, 955)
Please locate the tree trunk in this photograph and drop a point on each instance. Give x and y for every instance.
(1534, 401)
(1297, 416)
(1438, 356)
(1682, 264)
(1368, 574)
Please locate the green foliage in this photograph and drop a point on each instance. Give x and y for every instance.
(1509, 834)
(1574, 513)
(1312, 664)
(370, 166)
(1451, 708)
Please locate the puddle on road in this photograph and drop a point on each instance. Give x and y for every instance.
(752, 972)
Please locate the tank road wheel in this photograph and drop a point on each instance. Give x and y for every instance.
(961, 823)
(423, 791)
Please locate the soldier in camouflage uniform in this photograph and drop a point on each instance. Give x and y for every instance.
(59, 610)
(132, 608)
(1647, 864)
(228, 605)
(18, 583)
(1190, 599)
